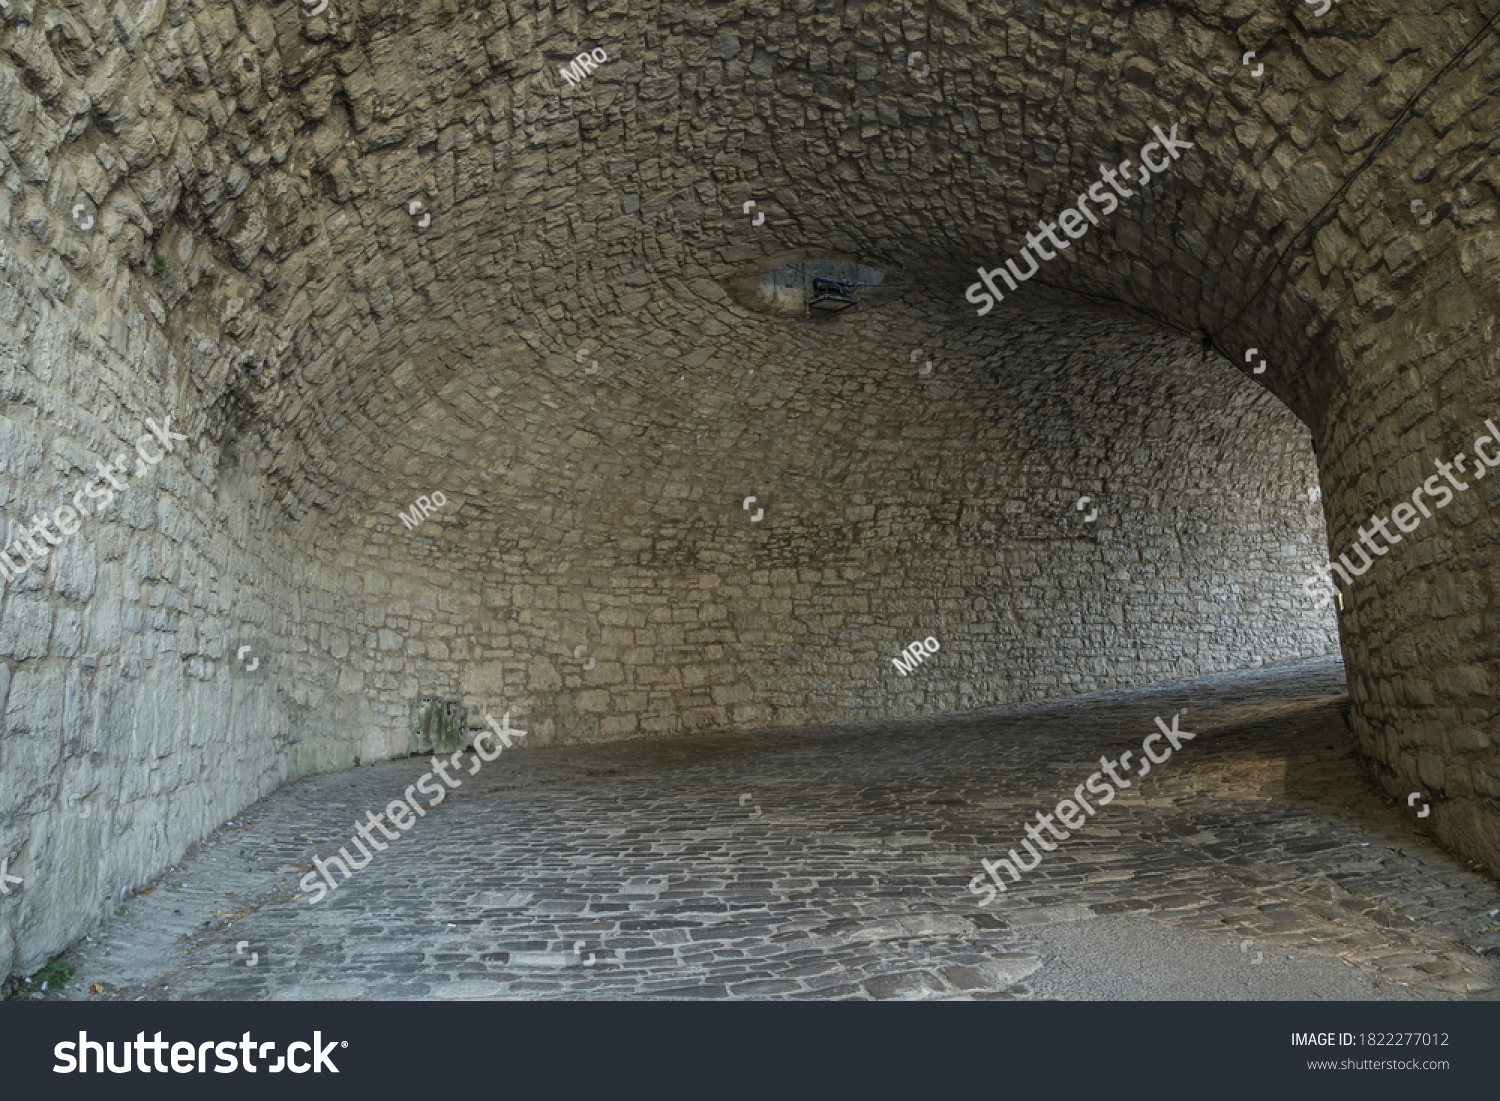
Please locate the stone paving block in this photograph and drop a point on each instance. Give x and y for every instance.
(1405, 959)
(910, 984)
(1122, 906)
(471, 991)
(1008, 969)
(503, 900)
(1046, 915)
(936, 925)
(763, 987)
(1463, 984)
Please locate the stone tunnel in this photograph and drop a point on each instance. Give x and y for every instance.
(385, 365)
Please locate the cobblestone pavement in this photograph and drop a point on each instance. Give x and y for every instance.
(833, 863)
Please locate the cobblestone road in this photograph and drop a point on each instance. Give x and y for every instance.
(634, 870)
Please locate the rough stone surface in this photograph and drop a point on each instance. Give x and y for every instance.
(640, 870)
(247, 259)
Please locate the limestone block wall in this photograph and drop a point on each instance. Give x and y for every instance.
(897, 505)
(127, 728)
(1392, 291)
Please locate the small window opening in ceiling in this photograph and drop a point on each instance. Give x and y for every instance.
(807, 287)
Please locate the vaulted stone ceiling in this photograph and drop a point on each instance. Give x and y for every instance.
(273, 159)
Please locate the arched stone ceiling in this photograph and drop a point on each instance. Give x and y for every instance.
(608, 216)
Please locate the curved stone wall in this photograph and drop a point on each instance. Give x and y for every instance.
(375, 252)
(897, 500)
